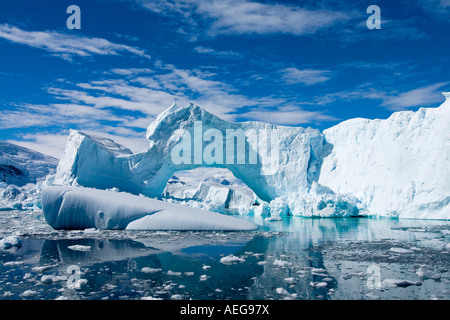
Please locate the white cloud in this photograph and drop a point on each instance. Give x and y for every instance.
(152, 94)
(244, 17)
(27, 115)
(349, 95)
(307, 76)
(248, 17)
(287, 116)
(131, 71)
(424, 96)
(392, 100)
(64, 45)
(439, 9)
(94, 107)
(102, 101)
(54, 144)
(49, 144)
(218, 53)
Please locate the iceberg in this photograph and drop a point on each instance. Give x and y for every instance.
(90, 162)
(395, 167)
(68, 207)
(9, 242)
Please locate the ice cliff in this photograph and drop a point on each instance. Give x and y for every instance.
(398, 166)
(393, 167)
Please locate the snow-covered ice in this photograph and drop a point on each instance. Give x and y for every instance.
(398, 166)
(10, 241)
(391, 283)
(91, 162)
(79, 247)
(393, 167)
(20, 166)
(151, 270)
(83, 208)
(22, 174)
(400, 250)
(231, 259)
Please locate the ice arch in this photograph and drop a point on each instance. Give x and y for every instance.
(291, 164)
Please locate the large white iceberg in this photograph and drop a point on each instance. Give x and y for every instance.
(95, 163)
(393, 167)
(398, 166)
(82, 208)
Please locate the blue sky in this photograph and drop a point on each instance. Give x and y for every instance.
(301, 63)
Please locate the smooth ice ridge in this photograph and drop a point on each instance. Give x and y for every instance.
(393, 167)
(82, 208)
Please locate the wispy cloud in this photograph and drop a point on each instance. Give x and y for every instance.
(26, 115)
(53, 144)
(59, 118)
(46, 143)
(423, 96)
(306, 76)
(130, 71)
(228, 54)
(420, 97)
(132, 98)
(438, 9)
(287, 115)
(247, 17)
(64, 45)
(152, 93)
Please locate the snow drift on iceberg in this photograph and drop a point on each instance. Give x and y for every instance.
(83, 208)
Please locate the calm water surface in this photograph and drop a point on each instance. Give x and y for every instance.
(294, 258)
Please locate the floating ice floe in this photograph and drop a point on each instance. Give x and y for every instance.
(151, 270)
(392, 283)
(10, 241)
(231, 259)
(82, 208)
(400, 250)
(78, 247)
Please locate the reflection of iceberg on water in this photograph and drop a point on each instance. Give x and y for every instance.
(97, 250)
(90, 251)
